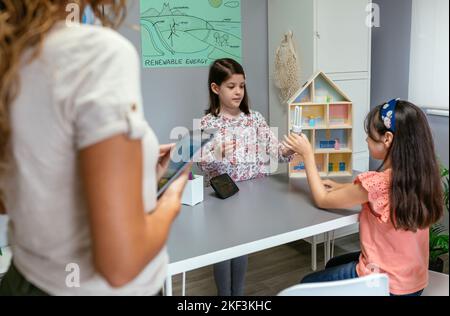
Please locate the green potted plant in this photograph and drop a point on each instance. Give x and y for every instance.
(439, 234)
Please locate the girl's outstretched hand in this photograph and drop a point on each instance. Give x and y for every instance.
(222, 150)
(298, 144)
(286, 152)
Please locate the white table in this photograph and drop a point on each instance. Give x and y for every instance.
(265, 213)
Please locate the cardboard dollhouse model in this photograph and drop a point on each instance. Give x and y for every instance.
(327, 121)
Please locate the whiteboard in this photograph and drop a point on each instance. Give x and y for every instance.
(429, 68)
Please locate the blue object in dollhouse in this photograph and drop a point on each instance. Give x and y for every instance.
(300, 167)
(342, 166)
(297, 126)
(324, 144)
(312, 121)
(330, 167)
(327, 144)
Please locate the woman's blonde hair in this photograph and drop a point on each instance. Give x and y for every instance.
(24, 25)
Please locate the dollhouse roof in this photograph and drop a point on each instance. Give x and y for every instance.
(310, 82)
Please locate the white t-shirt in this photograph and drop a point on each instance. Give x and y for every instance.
(80, 91)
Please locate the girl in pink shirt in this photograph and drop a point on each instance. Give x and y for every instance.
(400, 201)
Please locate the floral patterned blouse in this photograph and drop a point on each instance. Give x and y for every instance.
(256, 150)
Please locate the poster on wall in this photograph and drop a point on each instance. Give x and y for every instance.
(186, 33)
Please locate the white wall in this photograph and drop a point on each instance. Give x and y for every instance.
(174, 97)
(429, 72)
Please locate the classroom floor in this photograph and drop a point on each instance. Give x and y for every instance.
(269, 271)
(272, 270)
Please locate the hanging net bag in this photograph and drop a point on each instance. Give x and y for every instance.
(287, 70)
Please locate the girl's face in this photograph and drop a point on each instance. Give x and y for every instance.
(231, 92)
(379, 147)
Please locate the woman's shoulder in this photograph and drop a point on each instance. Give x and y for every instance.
(87, 41)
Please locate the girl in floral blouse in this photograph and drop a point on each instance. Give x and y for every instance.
(244, 147)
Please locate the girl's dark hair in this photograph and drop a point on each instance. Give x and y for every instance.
(222, 70)
(416, 194)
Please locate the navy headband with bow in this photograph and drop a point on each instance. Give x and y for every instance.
(388, 115)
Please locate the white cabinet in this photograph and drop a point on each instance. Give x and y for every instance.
(342, 36)
(331, 36)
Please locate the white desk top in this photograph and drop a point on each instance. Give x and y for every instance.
(265, 213)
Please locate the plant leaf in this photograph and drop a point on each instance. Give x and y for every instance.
(437, 229)
(442, 242)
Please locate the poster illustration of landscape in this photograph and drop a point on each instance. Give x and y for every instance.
(187, 33)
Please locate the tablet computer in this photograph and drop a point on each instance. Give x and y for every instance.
(184, 152)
